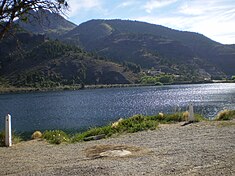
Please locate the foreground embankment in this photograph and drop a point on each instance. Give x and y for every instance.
(203, 148)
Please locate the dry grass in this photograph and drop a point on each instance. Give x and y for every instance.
(225, 115)
(226, 124)
(186, 115)
(36, 135)
(16, 138)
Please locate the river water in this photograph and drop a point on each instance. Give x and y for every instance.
(76, 110)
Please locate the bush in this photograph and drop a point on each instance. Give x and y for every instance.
(136, 123)
(176, 117)
(167, 118)
(157, 80)
(199, 117)
(225, 115)
(55, 136)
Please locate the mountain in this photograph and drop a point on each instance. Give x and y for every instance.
(45, 22)
(51, 51)
(38, 62)
(155, 46)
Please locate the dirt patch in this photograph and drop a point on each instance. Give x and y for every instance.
(111, 151)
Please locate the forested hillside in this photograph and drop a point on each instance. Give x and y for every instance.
(155, 46)
(34, 61)
(51, 51)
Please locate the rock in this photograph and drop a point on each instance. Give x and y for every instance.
(115, 153)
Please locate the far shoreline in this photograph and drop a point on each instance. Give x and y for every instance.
(8, 90)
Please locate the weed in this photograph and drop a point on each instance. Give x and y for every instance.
(16, 138)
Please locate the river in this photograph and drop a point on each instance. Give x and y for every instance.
(76, 110)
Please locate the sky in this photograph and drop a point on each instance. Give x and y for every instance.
(212, 18)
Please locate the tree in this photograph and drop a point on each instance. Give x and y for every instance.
(11, 10)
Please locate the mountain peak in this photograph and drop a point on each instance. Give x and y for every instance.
(46, 22)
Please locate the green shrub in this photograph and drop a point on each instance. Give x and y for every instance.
(157, 80)
(55, 136)
(130, 125)
(136, 123)
(199, 117)
(168, 118)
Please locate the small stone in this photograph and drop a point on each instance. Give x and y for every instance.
(115, 153)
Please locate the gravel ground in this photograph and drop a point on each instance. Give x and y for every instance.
(204, 148)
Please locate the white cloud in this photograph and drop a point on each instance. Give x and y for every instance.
(215, 28)
(202, 8)
(213, 19)
(127, 4)
(188, 10)
(154, 4)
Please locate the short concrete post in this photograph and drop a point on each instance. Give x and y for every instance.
(8, 135)
(191, 113)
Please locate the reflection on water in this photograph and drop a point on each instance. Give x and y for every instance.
(87, 108)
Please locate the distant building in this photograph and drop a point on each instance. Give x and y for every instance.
(154, 72)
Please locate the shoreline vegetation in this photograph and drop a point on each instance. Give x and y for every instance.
(12, 89)
(132, 124)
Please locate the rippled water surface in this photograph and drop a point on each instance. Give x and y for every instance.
(87, 108)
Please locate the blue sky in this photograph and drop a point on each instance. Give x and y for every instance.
(213, 18)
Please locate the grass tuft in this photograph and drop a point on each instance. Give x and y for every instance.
(225, 115)
(2, 139)
(36, 135)
(16, 138)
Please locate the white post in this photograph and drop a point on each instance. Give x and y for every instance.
(8, 136)
(191, 113)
